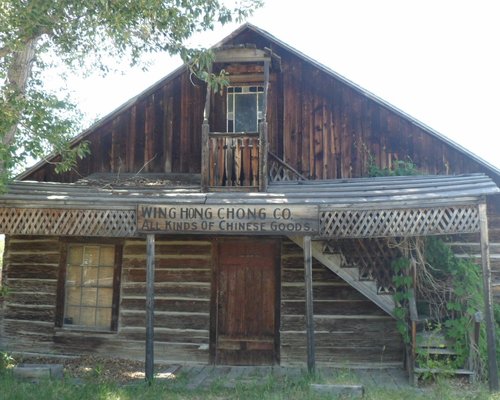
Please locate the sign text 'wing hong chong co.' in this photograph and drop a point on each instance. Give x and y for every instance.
(228, 219)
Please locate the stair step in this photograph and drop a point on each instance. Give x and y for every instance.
(431, 339)
(419, 370)
(437, 351)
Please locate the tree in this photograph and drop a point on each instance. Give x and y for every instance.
(84, 34)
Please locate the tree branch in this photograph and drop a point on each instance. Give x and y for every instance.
(4, 51)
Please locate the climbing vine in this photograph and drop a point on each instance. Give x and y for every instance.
(449, 289)
(449, 292)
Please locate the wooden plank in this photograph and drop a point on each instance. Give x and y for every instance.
(130, 143)
(161, 304)
(311, 360)
(167, 335)
(168, 126)
(169, 275)
(185, 290)
(171, 320)
(488, 302)
(205, 157)
(149, 153)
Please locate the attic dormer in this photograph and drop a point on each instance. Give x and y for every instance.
(235, 126)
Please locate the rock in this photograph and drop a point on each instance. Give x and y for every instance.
(38, 371)
(339, 390)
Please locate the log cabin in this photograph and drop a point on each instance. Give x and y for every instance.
(239, 227)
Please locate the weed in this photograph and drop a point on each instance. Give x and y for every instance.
(6, 362)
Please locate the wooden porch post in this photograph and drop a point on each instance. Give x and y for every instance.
(488, 300)
(311, 358)
(263, 148)
(205, 152)
(150, 306)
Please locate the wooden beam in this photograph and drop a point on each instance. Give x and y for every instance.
(150, 306)
(205, 128)
(205, 154)
(264, 134)
(488, 300)
(311, 358)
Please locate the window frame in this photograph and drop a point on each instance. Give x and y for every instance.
(65, 243)
(244, 90)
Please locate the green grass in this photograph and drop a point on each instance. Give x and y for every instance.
(270, 388)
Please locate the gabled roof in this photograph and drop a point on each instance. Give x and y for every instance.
(250, 27)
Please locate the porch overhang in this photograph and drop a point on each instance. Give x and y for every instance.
(353, 208)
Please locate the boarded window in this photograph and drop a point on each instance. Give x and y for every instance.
(89, 286)
(244, 108)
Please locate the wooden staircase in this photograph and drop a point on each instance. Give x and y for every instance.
(430, 346)
(351, 275)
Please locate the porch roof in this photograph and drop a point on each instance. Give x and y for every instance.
(106, 206)
(110, 191)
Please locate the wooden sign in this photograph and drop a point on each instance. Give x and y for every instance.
(228, 219)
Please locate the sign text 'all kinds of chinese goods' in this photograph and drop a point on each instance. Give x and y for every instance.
(227, 219)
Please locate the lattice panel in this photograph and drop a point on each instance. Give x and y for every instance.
(109, 223)
(398, 222)
(373, 258)
(280, 171)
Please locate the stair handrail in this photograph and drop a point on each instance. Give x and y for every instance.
(286, 166)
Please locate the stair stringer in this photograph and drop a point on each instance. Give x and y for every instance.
(350, 275)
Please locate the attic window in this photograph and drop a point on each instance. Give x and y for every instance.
(244, 108)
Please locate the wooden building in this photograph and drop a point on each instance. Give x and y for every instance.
(215, 202)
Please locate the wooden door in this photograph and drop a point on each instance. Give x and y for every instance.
(247, 313)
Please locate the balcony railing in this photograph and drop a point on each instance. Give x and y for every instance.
(234, 161)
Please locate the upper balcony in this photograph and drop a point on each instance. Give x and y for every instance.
(236, 159)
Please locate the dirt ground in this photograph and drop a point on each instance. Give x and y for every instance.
(90, 367)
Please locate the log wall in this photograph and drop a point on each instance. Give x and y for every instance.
(31, 267)
(182, 301)
(349, 328)
(182, 298)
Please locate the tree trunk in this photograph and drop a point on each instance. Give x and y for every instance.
(18, 75)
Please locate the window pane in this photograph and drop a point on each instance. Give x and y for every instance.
(105, 297)
(87, 316)
(245, 110)
(103, 318)
(107, 256)
(91, 255)
(230, 98)
(72, 316)
(74, 276)
(89, 297)
(106, 276)
(89, 276)
(75, 255)
(73, 296)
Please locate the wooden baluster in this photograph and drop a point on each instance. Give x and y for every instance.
(220, 161)
(237, 162)
(246, 156)
(212, 161)
(229, 162)
(255, 162)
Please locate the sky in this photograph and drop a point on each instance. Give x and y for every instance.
(438, 61)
